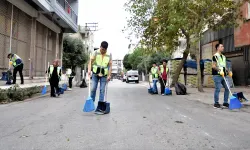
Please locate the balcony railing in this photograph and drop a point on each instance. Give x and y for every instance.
(68, 9)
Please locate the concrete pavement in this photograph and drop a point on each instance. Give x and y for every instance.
(137, 121)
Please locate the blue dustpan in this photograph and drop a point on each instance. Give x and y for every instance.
(64, 86)
(44, 90)
(167, 91)
(150, 90)
(234, 103)
(89, 105)
(61, 90)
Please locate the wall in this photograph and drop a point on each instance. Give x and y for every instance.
(242, 33)
(43, 34)
(21, 35)
(238, 70)
(31, 40)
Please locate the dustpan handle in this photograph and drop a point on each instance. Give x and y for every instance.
(106, 92)
(224, 77)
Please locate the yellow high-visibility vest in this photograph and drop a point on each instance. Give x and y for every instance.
(100, 66)
(162, 69)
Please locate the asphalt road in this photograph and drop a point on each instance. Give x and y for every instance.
(137, 121)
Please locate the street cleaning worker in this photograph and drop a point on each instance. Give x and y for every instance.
(54, 73)
(163, 71)
(155, 76)
(101, 64)
(219, 70)
(17, 63)
(70, 74)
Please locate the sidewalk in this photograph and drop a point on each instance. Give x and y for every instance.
(36, 81)
(207, 96)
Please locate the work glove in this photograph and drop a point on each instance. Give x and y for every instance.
(221, 72)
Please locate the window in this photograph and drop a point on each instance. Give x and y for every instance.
(248, 11)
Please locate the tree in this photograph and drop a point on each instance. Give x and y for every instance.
(173, 19)
(73, 53)
(136, 57)
(126, 63)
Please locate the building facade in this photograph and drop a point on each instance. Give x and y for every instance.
(33, 29)
(117, 67)
(237, 46)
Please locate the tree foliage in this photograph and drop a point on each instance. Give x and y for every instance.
(138, 60)
(74, 54)
(160, 24)
(126, 63)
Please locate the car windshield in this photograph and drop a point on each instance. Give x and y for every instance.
(132, 73)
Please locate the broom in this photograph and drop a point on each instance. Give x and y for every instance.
(234, 102)
(44, 90)
(89, 103)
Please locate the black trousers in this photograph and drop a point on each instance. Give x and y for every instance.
(163, 83)
(54, 85)
(19, 69)
(70, 82)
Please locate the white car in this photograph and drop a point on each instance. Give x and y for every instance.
(132, 76)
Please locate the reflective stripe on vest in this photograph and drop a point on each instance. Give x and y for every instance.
(51, 69)
(16, 60)
(162, 69)
(154, 71)
(101, 63)
(221, 61)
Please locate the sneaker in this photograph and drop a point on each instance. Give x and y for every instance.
(99, 112)
(163, 94)
(216, 105)
(226, 105)
(69, 89)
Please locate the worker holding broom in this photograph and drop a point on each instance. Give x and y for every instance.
(163, 71)
(54, 73)
(219, 71)
(101, 64)
(155, 76)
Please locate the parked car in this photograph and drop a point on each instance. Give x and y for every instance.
(132, 76)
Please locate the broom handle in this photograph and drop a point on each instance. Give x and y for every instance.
(149, 81)
(228, 86)
(163, 82)
(224, 77)
(46, 76)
